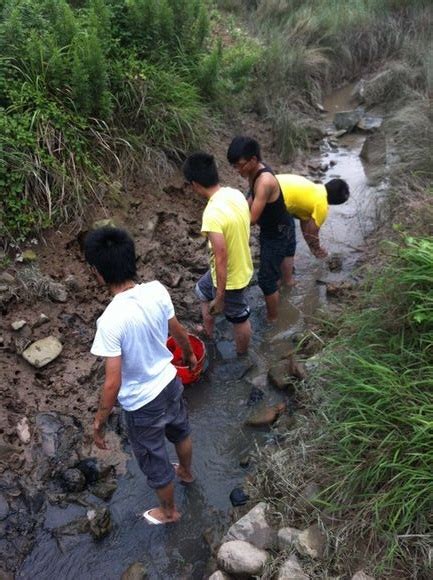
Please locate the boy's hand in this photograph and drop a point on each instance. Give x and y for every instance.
(216, 306)
(191, 361)
(99, 435)
(320, 253)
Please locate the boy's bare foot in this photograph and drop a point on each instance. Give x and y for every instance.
(158, 515)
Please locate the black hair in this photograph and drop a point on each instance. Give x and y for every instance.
(201, 168)
(338, 191)
(243, 148)
(112, 252)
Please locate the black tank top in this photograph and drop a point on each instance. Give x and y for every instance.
(274, 214)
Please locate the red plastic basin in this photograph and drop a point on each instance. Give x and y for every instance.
(184, 373)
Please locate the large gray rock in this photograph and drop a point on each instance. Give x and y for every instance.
(347, 120)
(43, 351)
(58, 434)
(370, 123)
(254, 528)
(265, 415)
(374, 149)
(242, 558)
(311, 542)
(292, 570)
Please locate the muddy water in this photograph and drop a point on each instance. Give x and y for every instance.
(218, 408)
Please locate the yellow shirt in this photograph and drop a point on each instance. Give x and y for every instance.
(303, 198)
(227, 213)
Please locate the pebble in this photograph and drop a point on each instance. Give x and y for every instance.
(238, 497)
(43, 351)
(23, 430)
(43, 319)
(18, 324)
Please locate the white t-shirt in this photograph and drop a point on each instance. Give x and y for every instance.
(135, 326)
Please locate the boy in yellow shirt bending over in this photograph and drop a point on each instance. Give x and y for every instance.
(309, 201)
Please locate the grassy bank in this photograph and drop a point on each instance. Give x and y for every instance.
(367, 437)
(95, 91)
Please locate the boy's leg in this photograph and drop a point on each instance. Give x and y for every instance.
(146, 433)
(178, 431)
(205, 292)
(287, 271)
(208, 319)
(269, 274)
(289, 253)
(272, 301)
(242, 333)
(184, 454)
(237, 312)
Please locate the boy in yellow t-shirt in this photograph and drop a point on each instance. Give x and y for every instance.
(308, 201)
(226, 224)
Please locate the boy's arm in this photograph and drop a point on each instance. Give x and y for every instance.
(180, 335)
(262, 193)
(110, 390)
(219, 250)
(310, 231)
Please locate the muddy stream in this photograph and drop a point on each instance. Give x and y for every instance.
(218, 408)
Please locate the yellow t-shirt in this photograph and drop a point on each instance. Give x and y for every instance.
(303, 198)
(227, 213)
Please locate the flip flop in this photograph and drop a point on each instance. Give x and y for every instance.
(150, 519)
(181, 481)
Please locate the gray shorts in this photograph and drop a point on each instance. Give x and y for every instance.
(236, 308)
(165, 416)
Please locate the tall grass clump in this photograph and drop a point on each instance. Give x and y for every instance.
(90, 90)
(379, 412)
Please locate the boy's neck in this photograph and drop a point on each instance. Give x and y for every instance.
(118, 288)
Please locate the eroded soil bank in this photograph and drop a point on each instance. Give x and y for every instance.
(47, 413)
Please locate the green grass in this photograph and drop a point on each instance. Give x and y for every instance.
(379, 411)
(367, 435)
(91, 91)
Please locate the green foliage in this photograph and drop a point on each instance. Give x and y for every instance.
(380, 412)
(84, 81)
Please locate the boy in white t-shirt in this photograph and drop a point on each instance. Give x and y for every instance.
(131, 335)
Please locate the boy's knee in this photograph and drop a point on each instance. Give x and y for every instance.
(267, 286)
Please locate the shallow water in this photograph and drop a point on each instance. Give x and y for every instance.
(217, 406)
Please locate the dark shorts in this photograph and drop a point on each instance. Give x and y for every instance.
(236, 308)
(165, 416)
(272, 253)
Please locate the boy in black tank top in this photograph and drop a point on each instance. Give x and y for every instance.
(268, 210)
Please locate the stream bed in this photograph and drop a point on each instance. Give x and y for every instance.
(218, 408)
